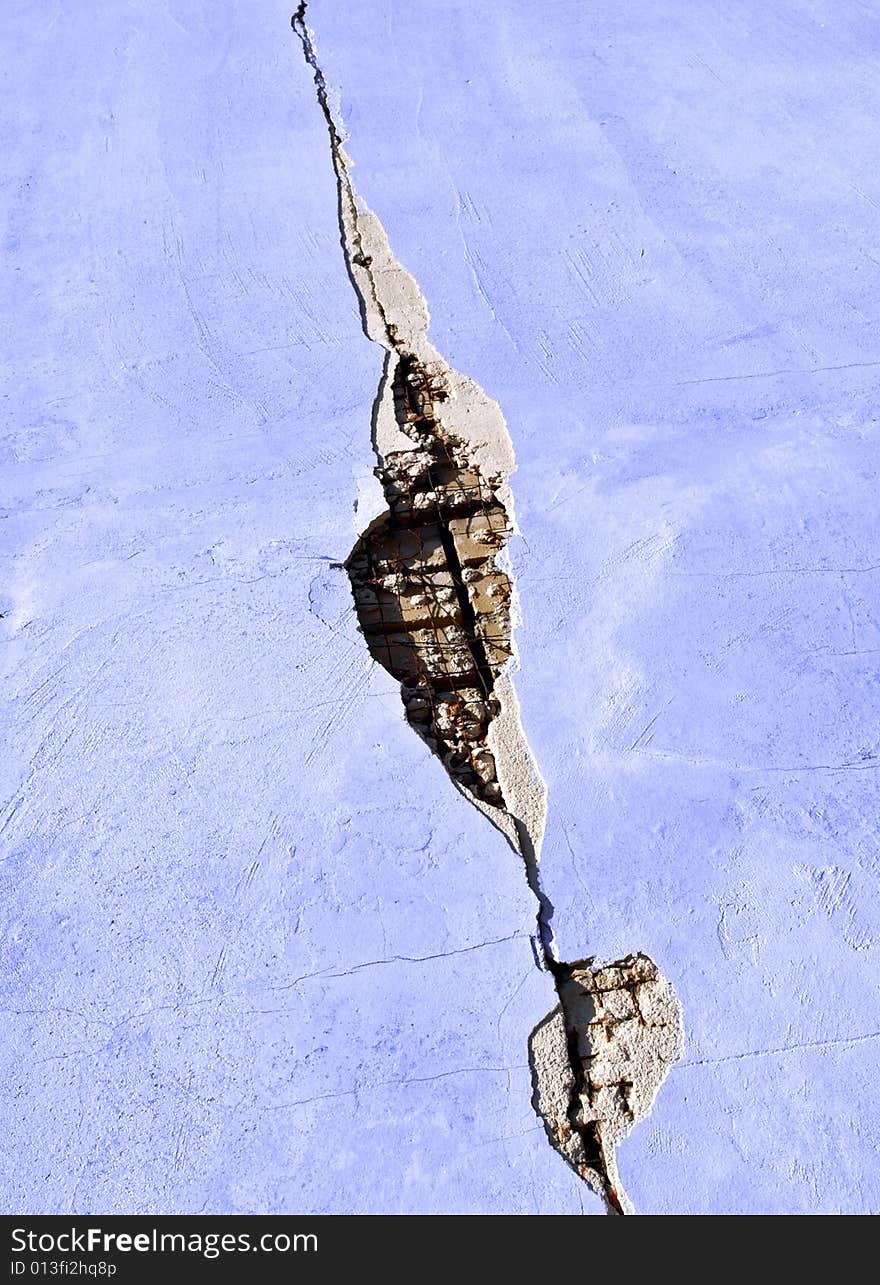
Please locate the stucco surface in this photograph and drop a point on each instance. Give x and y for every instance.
(652, 235)
(257, 953)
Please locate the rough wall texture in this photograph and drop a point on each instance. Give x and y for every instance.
(256, 954)
(686, 353)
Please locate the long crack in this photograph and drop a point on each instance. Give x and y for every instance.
(435, 608)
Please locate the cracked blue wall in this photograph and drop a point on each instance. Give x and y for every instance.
(257, 953)
(651, 235)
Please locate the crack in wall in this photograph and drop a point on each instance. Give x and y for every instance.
(432, 604)
(599, 1059)
(433, 599)
(436, 606)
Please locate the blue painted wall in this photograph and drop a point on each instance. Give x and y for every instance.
(256, 953)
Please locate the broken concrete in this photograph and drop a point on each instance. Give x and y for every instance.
(436, 607)
(433, 599)
(431, 602)
(599, 1059)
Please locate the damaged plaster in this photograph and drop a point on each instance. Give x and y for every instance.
(435, 603)
(647, 231)
(432, 599)
(599, 1059)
